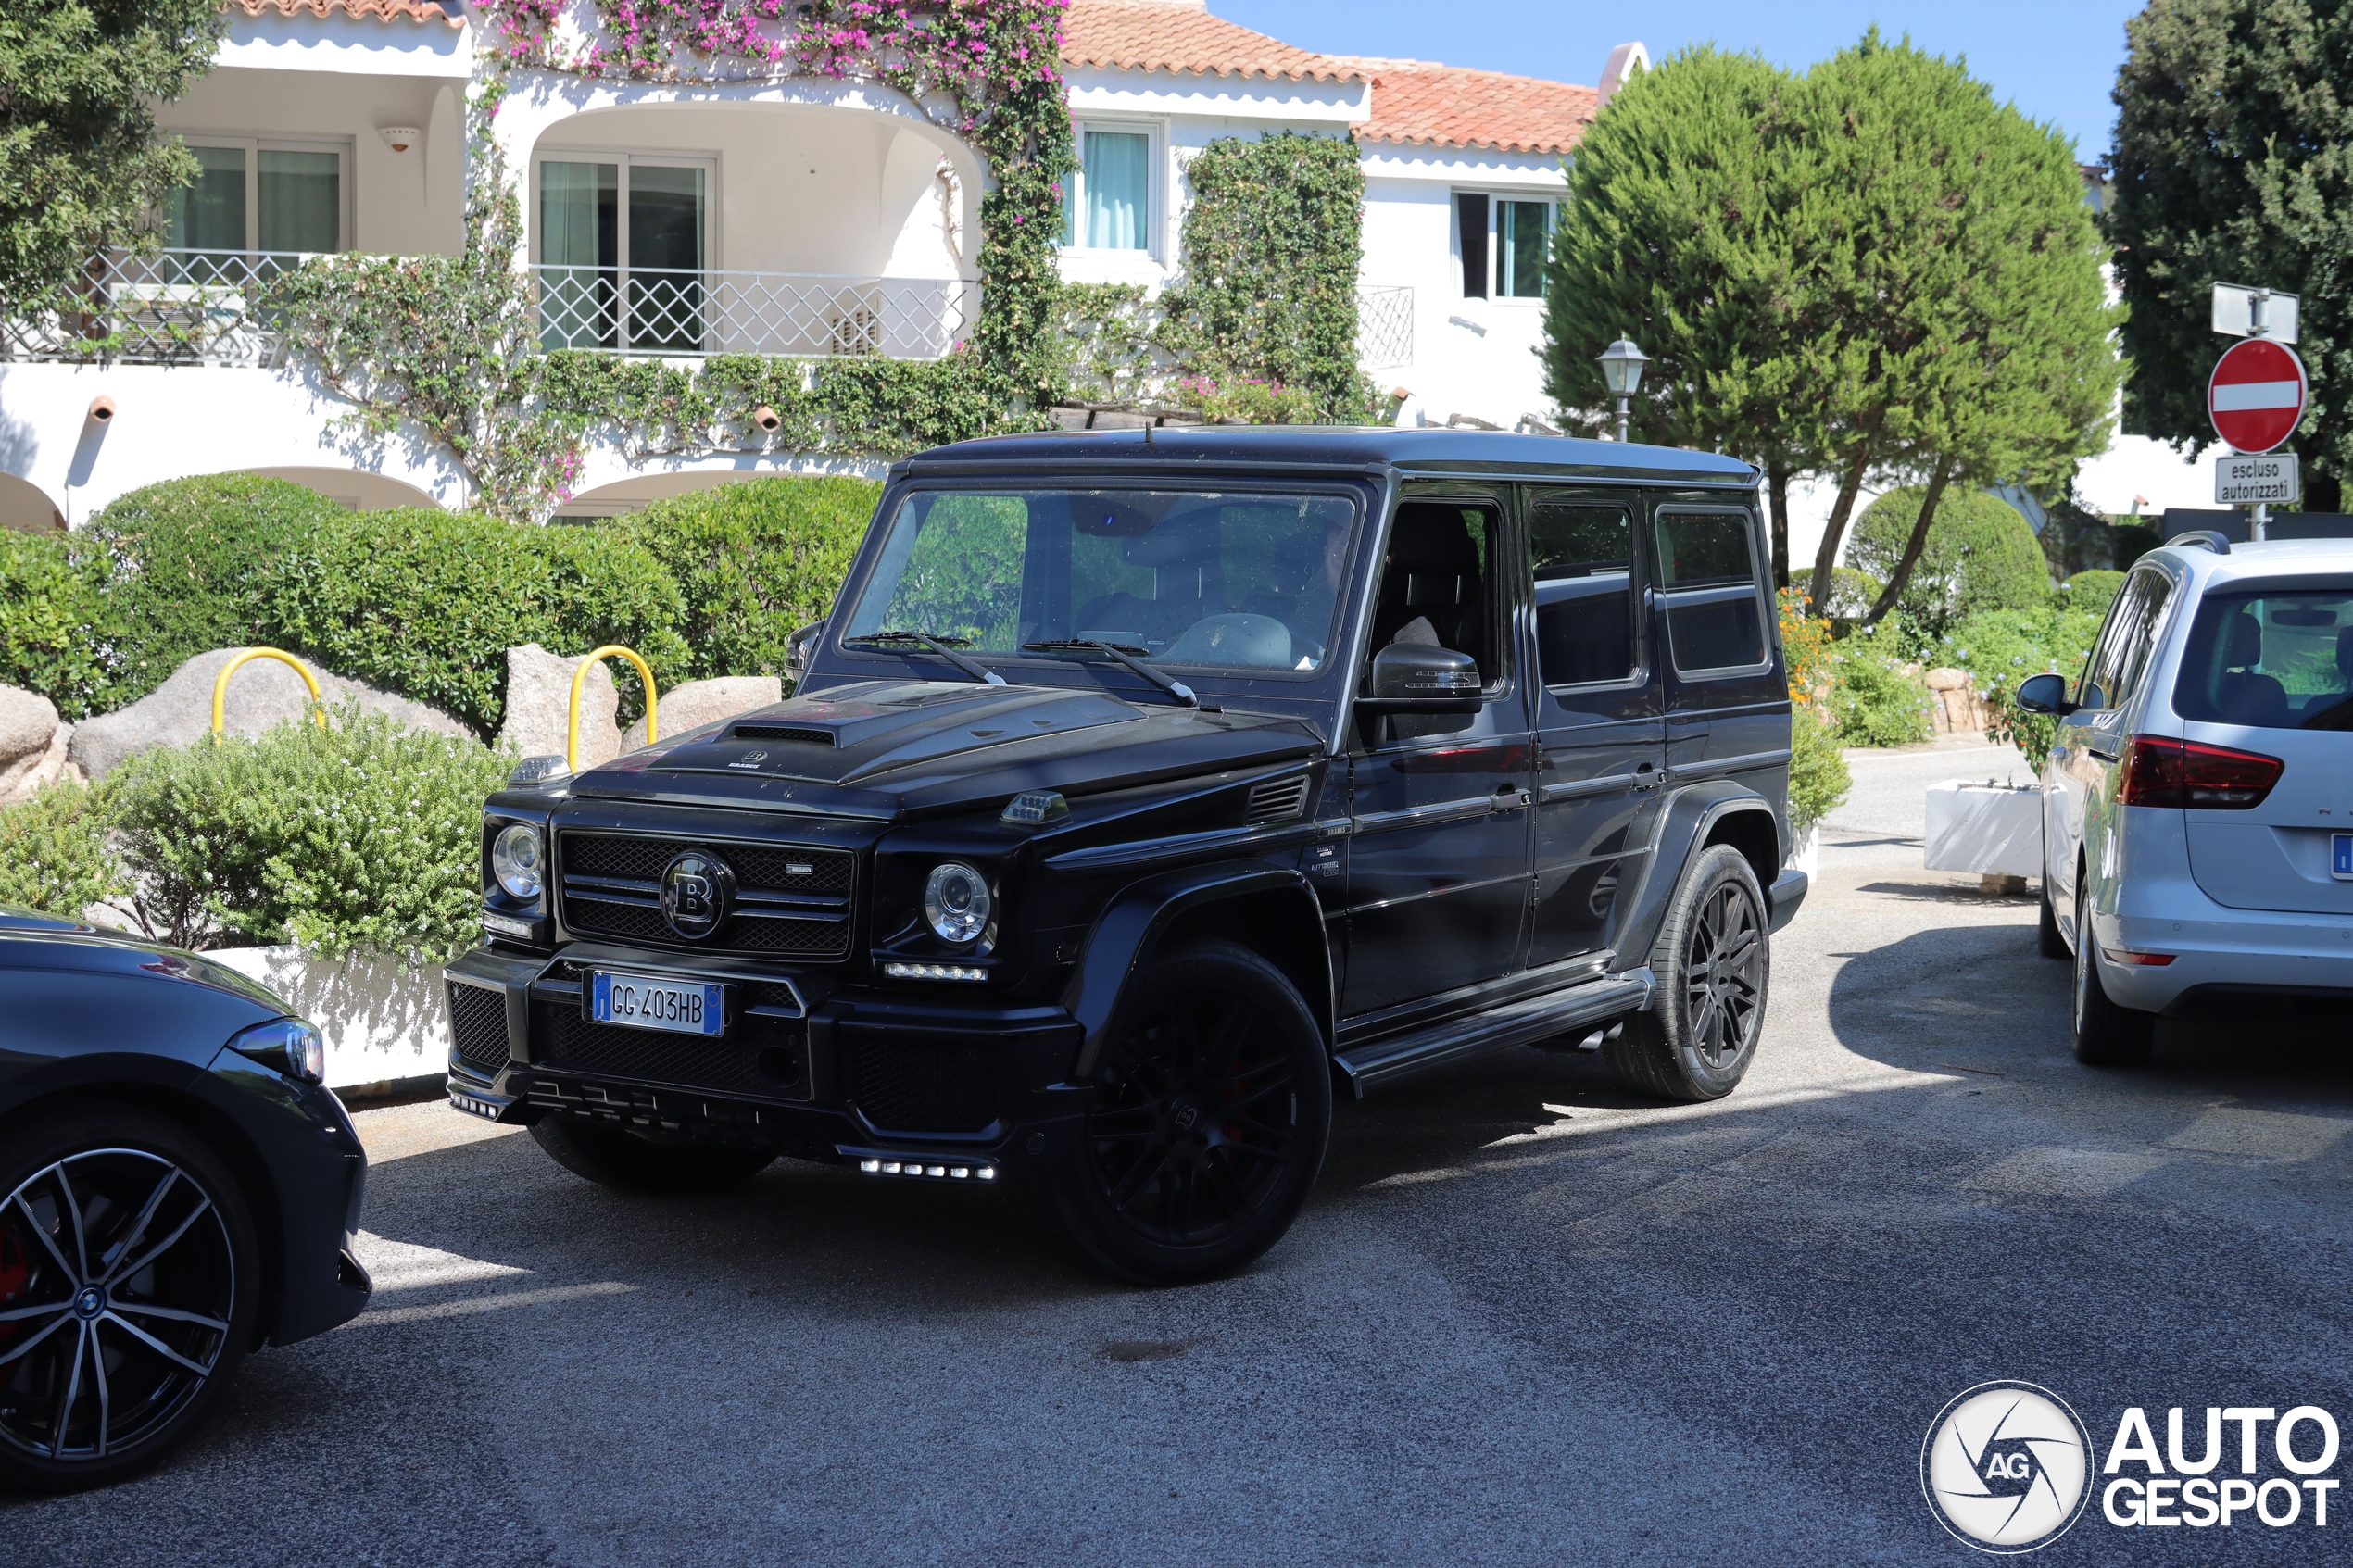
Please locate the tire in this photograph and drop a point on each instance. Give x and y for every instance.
(2049, 940)
(1713, 960)
(2105, 1034)
(137, 1352)
(632, 1163)
(1159, 1191)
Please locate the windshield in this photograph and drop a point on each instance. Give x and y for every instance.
(1200, 578)
(2277, 661)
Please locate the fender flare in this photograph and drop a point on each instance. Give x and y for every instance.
(1133, 924)
(1689, 815)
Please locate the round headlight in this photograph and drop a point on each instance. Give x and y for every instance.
(514, 860)
(956, 902)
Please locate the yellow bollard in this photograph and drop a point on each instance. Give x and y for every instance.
(571, 731)
(221, 683)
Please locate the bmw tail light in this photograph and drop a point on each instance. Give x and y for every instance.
(2159, 771)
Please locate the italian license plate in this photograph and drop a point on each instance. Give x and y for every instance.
(2341, 857)
(637, 1001)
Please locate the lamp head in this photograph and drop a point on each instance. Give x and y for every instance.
(1623, 365)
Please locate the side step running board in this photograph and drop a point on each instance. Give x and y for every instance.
(1522, 1023)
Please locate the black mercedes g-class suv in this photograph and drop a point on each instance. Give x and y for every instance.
(1142, 789)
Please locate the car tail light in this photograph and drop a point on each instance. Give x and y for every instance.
(2159, 771)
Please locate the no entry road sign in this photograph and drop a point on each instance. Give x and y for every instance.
(2256, 395)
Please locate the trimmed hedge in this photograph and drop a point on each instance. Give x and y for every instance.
(754, 560)
(1980, 554)
(56, 631)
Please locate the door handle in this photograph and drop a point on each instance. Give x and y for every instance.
(1509, 798)
(1646, 777)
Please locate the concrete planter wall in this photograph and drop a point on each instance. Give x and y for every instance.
(1994, 830)
(1806, 855)
(386, 1026)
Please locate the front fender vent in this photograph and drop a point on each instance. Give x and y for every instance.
(1277, 800)
(789, 734)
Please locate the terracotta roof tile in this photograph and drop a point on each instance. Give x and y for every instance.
(1181, 35)
(1450, 107)
(453, 14)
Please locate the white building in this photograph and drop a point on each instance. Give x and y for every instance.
(786, 215)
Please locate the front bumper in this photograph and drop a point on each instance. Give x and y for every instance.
(807, 1066)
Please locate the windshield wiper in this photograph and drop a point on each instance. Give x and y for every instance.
(940, 646)
(1120, 651)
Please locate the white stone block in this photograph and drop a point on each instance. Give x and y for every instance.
(1985, 828)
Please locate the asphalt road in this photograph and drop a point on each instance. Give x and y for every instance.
(1527, 1319)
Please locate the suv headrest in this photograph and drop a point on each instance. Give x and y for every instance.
(2243, 642)
(1431, 537)
(2345, 652)
(1181, 539)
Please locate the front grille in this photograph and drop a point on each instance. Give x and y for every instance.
(788, 899)
(1278, 801)
(762, 1056)
(924, 1087)
(784, 732)
(478, 1027)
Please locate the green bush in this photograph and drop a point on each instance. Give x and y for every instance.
(1874, 700)
(1980, 554)
(186, 559)
(363, 838)
(426, 603)
(1819, 777)
(56, 631)
(53, 852)
(754, 562)
(2091, 592)
(2001, 647)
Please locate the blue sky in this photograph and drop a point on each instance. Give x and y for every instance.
(2055, 59)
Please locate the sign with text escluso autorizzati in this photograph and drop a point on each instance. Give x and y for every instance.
(2272, 479)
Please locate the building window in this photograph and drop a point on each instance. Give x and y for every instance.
(1107, 204)
(623, 244)
(1503, 241)
(261, 195)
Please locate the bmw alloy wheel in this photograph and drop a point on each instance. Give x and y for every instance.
(118, 1284)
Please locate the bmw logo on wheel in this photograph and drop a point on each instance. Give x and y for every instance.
(698, 891)
(2006, 1467)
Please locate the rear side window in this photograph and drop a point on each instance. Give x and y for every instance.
(2275, 661)
(1583, 556)
(2118, 659)
(1708, 585)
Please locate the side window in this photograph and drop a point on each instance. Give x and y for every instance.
(1709, 584)
(1583, 558)
(2141, 645)
(2122, 650)
(1434, 578)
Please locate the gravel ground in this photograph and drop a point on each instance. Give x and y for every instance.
(1526, 1318)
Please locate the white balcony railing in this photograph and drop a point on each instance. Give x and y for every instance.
(625, 310)
(211, 307)
(166, 307)
(1384, 325)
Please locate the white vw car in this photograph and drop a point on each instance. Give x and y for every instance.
(2197, 803)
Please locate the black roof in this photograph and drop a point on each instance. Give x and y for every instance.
(1354, 447)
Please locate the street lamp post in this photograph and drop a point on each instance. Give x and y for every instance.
(1623, 365)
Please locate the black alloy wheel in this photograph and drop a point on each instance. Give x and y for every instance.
(1213, 1105)
(1712, 964)
(126, 1287)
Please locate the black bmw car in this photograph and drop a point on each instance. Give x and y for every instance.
(176, 1189)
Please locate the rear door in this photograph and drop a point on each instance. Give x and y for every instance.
(1600, 728)
(2079, 798)
(1727, 697)
(2269, 669)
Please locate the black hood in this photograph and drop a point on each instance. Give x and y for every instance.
(892, 749)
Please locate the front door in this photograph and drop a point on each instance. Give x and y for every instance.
(1438, 807)
(1600, 735)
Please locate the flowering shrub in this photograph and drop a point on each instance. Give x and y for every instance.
(53, 852)
(1805, 647)
(1250, 400)
(1999, 648)
(1875, 699)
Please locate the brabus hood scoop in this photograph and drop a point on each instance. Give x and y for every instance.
(848, 733)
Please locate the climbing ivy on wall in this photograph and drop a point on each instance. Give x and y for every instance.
(449, 344)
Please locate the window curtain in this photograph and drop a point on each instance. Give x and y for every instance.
(579, 235)
(301, 201)
(210, 214)
(1116, 189)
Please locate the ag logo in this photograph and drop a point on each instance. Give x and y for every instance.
(2006, 1467)
(698, 890)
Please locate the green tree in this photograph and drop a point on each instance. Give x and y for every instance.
(1978, 555)
(81, 167)
(1678, 231)
(1963, 336)
(2231, 164)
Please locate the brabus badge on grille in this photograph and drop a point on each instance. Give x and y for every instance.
(698, 891)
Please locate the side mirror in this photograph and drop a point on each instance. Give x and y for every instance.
(1418, 678)
(2045, 694)
(797, 648)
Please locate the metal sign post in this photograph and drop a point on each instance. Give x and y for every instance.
(2256, 398)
